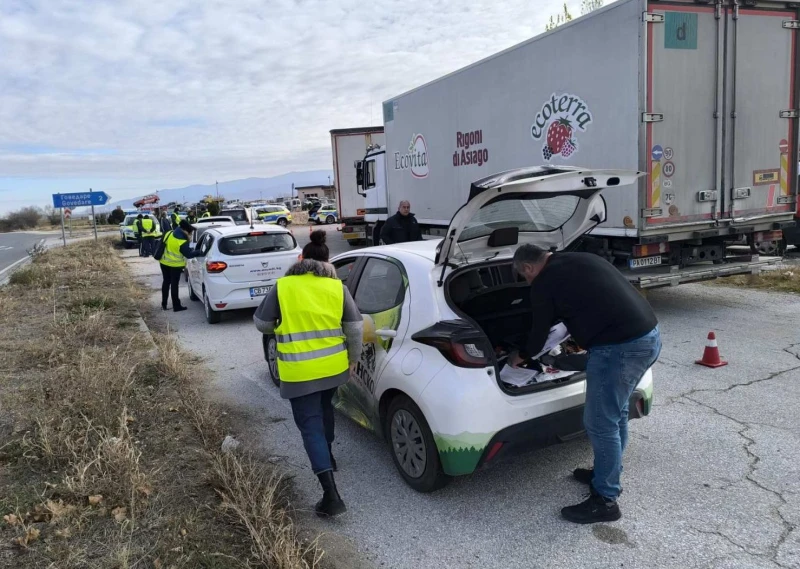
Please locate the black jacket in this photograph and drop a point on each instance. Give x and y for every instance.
(400, 229)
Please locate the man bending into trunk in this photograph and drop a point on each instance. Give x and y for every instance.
(606, 316)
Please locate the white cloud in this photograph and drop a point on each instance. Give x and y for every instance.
(185, 91)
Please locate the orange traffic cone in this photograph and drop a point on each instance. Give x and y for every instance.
(711, 354)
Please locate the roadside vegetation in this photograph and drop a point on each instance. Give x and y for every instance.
(780, 280)
(109, 456)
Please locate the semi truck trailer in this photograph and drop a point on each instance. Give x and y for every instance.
(700, 96)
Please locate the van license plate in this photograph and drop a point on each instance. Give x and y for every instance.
(645, 262)
(259, 291)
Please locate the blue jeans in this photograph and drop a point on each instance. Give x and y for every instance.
(612, 374)
(313, 415)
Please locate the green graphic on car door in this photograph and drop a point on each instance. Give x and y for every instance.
(358, 401)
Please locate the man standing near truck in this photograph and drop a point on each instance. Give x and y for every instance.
(608, 317)
(401, 227)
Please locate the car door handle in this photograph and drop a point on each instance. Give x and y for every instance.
(386, 333)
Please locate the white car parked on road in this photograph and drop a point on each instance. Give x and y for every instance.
(239, 266)
(441, 317)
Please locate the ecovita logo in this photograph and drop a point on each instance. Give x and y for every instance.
(416, 159)
(560, 118)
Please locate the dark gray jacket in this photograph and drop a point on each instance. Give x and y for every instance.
(268, 315)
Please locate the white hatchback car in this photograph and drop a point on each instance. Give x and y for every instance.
(239, 266)
(441, 317)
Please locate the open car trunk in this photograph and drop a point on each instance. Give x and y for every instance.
(496, 300)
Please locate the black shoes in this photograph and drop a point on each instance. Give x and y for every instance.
(331, 504)
(180, 308)
(594, 509)
(583, 475)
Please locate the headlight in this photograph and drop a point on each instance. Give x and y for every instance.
(128, 230)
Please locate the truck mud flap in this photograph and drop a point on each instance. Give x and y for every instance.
(697, 273)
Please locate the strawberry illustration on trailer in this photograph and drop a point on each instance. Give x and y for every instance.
(559, 136)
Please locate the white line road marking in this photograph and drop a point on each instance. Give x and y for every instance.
(5, 248)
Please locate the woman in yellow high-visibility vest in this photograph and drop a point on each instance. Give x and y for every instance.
(176, 251)
(318, 329)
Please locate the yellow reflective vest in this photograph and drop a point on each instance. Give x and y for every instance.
(149, 228)
(310, 339)
(206, 214)
(172, 251)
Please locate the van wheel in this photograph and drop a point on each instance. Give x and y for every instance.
(271, 355)
(212, 316)
(412, 446)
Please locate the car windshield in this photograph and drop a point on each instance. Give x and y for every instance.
(542, 214)
(252, 243)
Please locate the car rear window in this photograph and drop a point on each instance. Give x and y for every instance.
(542, 214)
(236, 214)
(252, 243)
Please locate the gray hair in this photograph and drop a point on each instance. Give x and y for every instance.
(316, 268)
(408, 203)
(530, 254)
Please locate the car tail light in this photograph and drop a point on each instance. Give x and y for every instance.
(221, 304)
(650, 250)
(459, 342)
(256, 233)
(215, 266)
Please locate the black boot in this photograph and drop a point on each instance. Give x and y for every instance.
(331, 504)
(333, 460)
(594, 509)
(583, 475)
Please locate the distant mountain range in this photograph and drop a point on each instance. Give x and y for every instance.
(247, 189)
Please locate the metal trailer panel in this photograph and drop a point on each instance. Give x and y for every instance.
(347, 147)
(498, 114)
(720, 78)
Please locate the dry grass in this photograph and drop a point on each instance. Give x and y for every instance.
(781, 280)
(109, 456)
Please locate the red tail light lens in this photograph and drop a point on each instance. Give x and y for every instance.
(215, 266)
(459, 342)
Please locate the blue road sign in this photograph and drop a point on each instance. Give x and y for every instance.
(80, 199)
(658, 152)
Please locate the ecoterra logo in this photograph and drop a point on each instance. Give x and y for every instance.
(416, 159)
(557, 123)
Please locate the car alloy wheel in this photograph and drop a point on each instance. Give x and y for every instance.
(408, 443)
(330, 219)
(212, 317)
(282, 222)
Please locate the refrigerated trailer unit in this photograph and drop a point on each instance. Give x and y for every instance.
(702, 97)
(348, 146)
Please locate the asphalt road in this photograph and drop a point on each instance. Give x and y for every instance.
(14, 247)
(712, 477)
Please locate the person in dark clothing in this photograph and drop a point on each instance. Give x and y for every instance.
(606, 316)
(173, 262)
(138, 233)
(401, 227)
(165, 223)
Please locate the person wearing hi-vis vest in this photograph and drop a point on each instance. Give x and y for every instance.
(176, 251)
(319, 330)
(176, 218)
(147, 232)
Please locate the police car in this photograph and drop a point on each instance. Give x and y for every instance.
(276, 214)
(325, 214)
(432, 379)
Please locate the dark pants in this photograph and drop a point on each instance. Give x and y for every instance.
(172, 280)
(147, 246)
(313, 415)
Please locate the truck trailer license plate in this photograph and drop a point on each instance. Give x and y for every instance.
(259, 291)
(645, 262)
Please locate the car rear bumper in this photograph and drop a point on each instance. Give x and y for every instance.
(550, 430)
(235, 296)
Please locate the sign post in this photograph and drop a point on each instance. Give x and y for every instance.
(94, 219)
(63, 234)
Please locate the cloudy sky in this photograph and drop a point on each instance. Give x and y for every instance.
(129, 96)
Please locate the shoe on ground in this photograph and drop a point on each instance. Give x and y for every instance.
(593, 510)
(181, 308)
(331, 504)
(583, 475)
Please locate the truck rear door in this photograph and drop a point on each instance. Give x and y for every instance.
(718, 78)
(760, 73)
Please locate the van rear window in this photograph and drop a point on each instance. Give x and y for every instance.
(260, 243)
